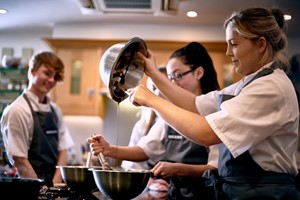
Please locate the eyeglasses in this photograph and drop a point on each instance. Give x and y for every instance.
(178, 77)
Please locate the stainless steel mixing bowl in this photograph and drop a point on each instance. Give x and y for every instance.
(121, 184)
(78, 178)
(120, 68)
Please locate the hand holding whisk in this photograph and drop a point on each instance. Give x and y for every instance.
(101, 157)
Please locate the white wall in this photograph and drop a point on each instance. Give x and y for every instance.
(119, 121)
(25, 39)
(147, 32)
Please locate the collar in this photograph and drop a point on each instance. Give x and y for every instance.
(249, 77)
(34, 97)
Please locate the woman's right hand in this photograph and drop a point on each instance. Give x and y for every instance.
(98, 144)
(150, 63)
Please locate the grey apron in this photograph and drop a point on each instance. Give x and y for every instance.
(242, 178)
(180, 149)
(43, 151)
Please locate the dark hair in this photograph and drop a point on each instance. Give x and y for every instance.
(163, 70)
(195, 55)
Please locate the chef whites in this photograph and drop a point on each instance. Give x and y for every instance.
(250, 166)
(54, 130)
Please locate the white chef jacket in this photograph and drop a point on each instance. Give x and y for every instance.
(139, 131)
(261, 119)
(17, 125)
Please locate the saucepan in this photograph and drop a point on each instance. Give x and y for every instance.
(121, 69)
(120, 183)
(20, 188)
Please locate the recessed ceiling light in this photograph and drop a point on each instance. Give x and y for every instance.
(287, 17)
(3, 11)
(191, 14)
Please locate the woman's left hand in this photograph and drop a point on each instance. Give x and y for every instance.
(164, 169)
(141, 96)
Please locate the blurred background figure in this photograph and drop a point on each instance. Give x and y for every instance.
(147, 118)
(294, 75)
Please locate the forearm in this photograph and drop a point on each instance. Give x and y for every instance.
(191, 170)
(61, 161)
(131, 153)
(191, 125)
(24, 167)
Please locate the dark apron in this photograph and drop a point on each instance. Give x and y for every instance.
(43, 151)
(180, 149)
(242, 178)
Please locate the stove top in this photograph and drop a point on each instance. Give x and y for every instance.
(64, 193)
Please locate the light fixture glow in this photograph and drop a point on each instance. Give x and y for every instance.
(3, 11)
(287, 17)
(192, 14)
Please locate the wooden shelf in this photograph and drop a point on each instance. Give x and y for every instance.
(12, 81)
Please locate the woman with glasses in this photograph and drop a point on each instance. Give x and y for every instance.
(185, 161)
(182, 162)
(255, 120)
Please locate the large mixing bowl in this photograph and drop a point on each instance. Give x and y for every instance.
(121, 184)
(78, 178)
(120, 68)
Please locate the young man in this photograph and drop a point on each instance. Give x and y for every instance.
(34, 134)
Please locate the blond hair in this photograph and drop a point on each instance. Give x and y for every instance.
(253, 23)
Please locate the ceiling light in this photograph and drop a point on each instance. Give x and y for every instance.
(3, 11)
(191, 14)
(287, 17)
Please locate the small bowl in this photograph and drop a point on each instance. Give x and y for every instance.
(121, 184)
(10, 62)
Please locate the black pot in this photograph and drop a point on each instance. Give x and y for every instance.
(20, 188)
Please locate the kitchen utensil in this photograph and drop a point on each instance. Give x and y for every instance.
(102, 159)
(121, 69)
(78, 178)
(10, 62)
(121, 184)
(103, 162)
(20, 188)
(89, 158)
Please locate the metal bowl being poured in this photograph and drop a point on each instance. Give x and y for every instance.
(121, 69)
